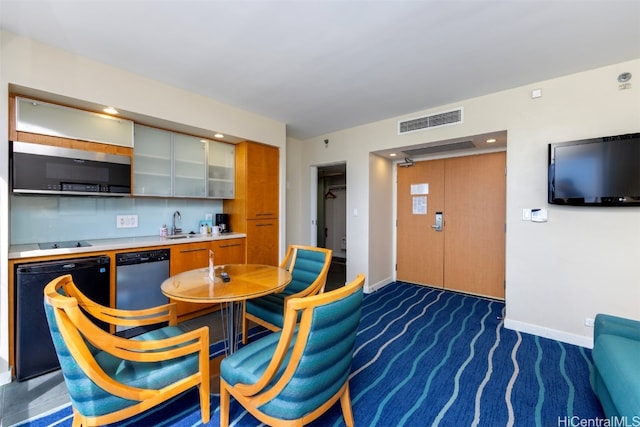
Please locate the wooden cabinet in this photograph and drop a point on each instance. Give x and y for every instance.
(254, 210)
(229, 251)
(262, 241)
(262, 181)
(189, 256)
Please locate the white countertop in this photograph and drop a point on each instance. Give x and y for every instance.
(32, 250)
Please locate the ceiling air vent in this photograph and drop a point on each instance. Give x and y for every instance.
(427, 122)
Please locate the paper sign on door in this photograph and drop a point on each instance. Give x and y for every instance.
(419, 205)
(419, 189)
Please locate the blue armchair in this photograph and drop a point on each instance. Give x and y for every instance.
(309, 267)
(111, 378)
(293, 376)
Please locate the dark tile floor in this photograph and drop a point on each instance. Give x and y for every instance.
(22, 400)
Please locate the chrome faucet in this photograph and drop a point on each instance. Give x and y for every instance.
(175, 230)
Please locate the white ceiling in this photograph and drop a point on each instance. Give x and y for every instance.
(322, 66)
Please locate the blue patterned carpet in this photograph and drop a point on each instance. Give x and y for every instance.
(430, 357)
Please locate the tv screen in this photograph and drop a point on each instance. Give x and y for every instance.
(595, 172)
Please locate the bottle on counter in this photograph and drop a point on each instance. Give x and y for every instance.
(163, 230)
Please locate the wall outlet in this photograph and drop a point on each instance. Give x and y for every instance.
(588, 322)
(126, 221)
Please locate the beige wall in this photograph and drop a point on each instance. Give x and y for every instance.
(581, 262)
(42, 68)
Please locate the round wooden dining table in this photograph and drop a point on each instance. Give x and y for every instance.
(246, 281)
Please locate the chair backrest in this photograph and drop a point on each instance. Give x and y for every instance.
(320, 362)
(65, 320)
(309, 267)
(110, 378)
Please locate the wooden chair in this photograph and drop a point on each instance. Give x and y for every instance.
(309, 267)
(110, 378)
(291, 377)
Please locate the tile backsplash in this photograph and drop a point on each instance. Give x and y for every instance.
(37, 219)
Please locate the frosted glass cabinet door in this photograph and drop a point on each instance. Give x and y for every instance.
(55, 120)
(221, 170)
(152, 162)
(189, 166)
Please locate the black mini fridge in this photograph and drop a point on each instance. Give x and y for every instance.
(35, 354)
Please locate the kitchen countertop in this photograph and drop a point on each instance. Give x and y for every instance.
(32, 250)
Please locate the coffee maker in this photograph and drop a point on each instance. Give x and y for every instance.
(222, 221)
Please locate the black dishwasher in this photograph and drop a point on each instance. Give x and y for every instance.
(138, 279)
(35, 354)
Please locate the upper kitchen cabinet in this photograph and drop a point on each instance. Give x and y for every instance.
(172, 164)
(35, 119)
(220, 170)
(262, 181)
(152, 162)
(189, 159)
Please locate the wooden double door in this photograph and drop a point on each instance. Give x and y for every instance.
(467, 252)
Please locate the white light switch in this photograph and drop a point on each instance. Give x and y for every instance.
(526, 214)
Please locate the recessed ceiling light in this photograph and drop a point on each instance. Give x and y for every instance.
(219, 135)
(110, 110)
(491, 140)
(392, 155)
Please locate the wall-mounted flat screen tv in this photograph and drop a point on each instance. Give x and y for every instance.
(595, 172)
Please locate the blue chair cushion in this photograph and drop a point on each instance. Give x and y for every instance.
(247, 364)
(91, 400)
(269, 308)
(150, 375)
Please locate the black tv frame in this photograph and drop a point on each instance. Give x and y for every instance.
(632, 169)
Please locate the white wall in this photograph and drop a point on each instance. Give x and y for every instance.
(36, 66)
(581, 262)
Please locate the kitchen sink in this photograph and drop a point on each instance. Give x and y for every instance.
(177, 236)
(183, 236)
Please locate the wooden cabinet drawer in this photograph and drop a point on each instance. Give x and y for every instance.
(262, 241)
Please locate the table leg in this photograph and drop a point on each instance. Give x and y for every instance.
(231, 325)
(231, 316)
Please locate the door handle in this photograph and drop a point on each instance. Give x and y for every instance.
(438, 225)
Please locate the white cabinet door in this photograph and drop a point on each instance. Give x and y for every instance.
(152, 162)
(174, 164)
(55, 120)
(189, 159)
(221, 170)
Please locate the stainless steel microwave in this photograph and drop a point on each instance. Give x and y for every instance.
(45, 169)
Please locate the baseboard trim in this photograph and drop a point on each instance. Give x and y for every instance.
(372, 287)
(553, 334)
